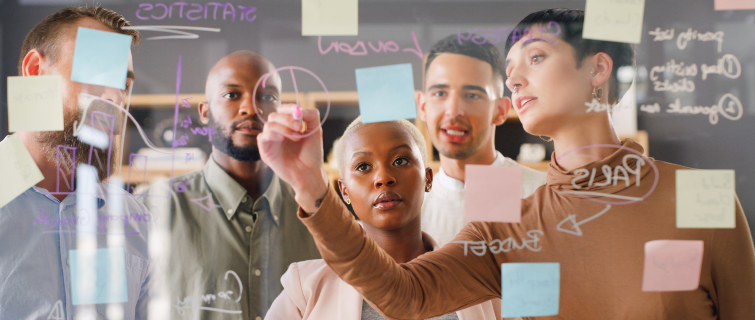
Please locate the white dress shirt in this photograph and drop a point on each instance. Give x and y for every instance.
(443, 207)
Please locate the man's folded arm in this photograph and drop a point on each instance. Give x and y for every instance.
(434, 284)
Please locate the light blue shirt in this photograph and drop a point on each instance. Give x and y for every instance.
(36, 234)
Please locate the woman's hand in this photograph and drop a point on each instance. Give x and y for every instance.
(296, 159)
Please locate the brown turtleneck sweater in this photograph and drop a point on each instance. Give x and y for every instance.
(601, 270)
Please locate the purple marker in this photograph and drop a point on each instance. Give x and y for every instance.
(298, 117)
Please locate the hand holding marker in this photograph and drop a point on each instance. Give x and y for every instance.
(298, 117)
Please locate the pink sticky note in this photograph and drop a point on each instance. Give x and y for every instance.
(672, 265)
(493, 193)
(734, 5)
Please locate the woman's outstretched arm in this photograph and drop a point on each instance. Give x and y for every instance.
(431, 285)
(434, 284)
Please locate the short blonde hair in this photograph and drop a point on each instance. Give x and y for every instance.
(338, 147)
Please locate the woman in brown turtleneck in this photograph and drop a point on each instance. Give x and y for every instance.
(602, 202)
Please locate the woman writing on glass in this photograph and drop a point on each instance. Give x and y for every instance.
(603, 201)
(384, 178)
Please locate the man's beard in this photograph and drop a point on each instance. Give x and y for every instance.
(223, 142)
(50, 140)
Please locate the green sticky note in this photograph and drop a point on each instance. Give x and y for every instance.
(329, 17)
(705, 199)
(530, 289)
(101, 58)
(35, 103)
(386, 93)
(18, 171)
(98, 276)
(614, 20)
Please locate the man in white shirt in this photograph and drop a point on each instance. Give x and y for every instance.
(462, 103)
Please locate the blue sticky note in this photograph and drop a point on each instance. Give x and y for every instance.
(530, 289)
(101, 58)
(98, 276)
(386, 93)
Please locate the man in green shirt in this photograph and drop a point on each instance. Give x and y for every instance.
(229, 231)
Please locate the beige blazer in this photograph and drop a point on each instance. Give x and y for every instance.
(312, 291)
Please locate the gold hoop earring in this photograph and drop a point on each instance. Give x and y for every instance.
(348, 201)
(549, 139)
(597, 93)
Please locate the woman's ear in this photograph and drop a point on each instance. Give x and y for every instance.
(344, 192)
(428, 179)
(601, 70)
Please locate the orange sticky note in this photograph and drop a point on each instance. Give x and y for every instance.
(493, 193)
(734, 4)
(672, 265)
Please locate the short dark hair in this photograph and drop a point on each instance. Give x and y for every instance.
(571, 23)
(46, 35)
(462, 44)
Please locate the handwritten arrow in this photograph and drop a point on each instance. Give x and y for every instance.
(176, 30)
(575, 225)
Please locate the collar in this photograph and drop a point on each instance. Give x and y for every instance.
(458, 185)
(230, 193)
(70, 199)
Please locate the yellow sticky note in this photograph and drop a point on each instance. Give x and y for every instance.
(705, 199)
(18, 171)
(614, 20)
(35, 103)
(329, 17)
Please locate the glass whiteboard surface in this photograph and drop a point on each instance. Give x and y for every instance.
(633, 121)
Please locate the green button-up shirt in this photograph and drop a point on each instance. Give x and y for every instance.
(223, 253)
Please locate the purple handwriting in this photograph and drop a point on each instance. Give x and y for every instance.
(197, 11)
(359, 48)
(70, 161)
(182, 141)
(185, 102)
(204, 131)
(493, 36)
(186, 123)
(181, 186)
(205, 202)
(54, 223)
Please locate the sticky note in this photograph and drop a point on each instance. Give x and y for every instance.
(705, 199)
(18, 171)
(614, 20)
(329, 17)
(672, 265)
(29, 98)
(530, 289)
(386, 93)
(98, 276)
(733, 5)
(493, 193)
(101, 58)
